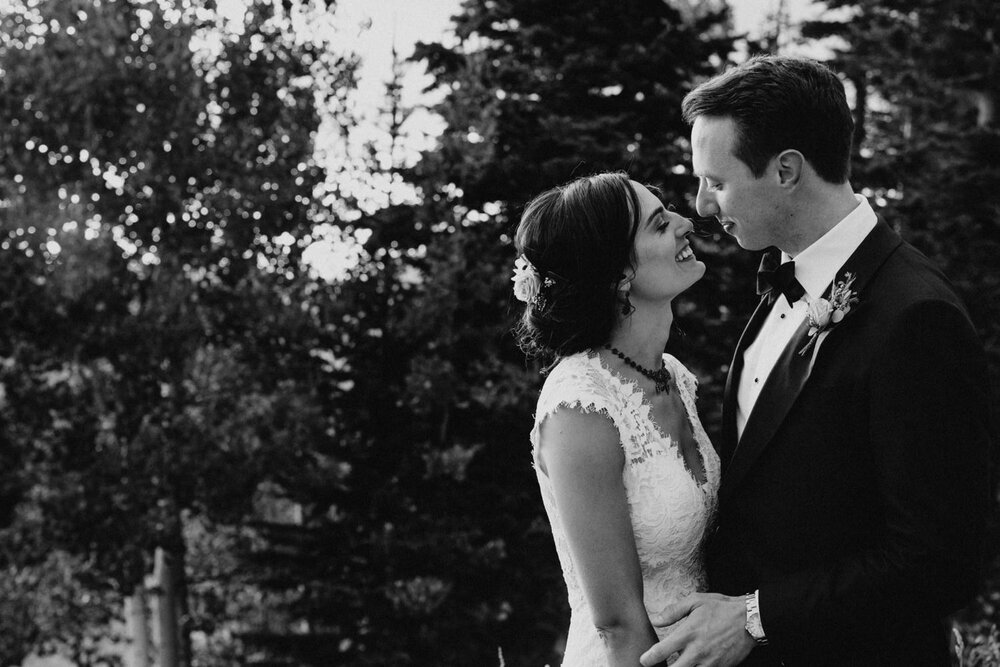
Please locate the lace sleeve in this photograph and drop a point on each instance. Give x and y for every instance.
(574, 384)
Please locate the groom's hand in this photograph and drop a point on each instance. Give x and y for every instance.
(710, 631)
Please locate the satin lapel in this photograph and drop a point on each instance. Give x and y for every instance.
(780, 391)
(729, 435)
(790, 373)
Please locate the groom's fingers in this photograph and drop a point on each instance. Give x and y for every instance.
(662, 650)
(677, 641)
(689, 658)
(674, 612)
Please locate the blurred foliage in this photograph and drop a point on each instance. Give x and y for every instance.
(343, 466)
(158, 183)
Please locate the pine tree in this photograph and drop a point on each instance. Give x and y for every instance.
(452, 555)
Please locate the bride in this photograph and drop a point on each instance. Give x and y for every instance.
(627, 475)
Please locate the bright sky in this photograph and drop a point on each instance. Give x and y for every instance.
(372, 27)
(378, 23)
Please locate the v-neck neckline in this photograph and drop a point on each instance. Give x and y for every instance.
(675, 443)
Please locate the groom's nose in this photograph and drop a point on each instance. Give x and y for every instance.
(705, 202)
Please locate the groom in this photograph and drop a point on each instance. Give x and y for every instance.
(854, 484)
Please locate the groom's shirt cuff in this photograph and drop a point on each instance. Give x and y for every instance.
(756, 596)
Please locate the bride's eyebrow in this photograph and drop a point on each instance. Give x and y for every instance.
(658, 212)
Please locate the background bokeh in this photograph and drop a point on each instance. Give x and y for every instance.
(244, 326)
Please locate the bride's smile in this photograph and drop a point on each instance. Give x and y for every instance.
(665, 264)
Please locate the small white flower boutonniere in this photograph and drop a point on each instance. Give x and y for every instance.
(823, 314)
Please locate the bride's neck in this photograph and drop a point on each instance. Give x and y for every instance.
(642, 336)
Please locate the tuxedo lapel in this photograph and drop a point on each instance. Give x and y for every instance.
(780, 391)
(783, 385)
(729, 407)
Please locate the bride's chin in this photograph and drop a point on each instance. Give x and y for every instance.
(697, 272)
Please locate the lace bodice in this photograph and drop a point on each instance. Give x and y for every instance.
(670, 511)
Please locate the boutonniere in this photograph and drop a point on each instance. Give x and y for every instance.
(824, 314)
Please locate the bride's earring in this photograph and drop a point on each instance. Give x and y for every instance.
(624, 289)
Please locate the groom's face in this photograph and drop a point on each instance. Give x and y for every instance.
(748, 207)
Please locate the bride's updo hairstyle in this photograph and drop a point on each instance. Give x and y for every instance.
(579, 238)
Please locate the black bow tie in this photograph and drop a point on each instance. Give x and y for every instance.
(773, 279)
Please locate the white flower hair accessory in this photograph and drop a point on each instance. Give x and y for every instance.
(824, 314)
(528, 283)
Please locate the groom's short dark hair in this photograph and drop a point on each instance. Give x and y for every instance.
(780, 103)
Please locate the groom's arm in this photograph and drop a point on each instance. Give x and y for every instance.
(929, 429)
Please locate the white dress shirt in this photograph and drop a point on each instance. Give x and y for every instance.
(815, 267)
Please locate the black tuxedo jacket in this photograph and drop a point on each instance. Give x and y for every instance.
(857, 497)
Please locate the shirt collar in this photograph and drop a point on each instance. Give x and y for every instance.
(817, 265)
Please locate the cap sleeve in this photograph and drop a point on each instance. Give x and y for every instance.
(576, 383)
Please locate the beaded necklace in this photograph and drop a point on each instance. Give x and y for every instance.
(661, 377)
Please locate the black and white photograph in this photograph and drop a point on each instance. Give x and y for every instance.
(499, 333)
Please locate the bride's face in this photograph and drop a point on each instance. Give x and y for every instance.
(665, 264)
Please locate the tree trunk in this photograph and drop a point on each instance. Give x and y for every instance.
(166, 611)
(137, 624)
(170, 610)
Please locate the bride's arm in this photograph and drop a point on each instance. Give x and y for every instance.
(581, 455)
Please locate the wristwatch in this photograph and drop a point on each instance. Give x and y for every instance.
(753, 625)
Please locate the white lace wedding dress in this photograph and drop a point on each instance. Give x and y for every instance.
(670, 510)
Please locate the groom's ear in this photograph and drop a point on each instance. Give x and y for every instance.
(790, 165)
